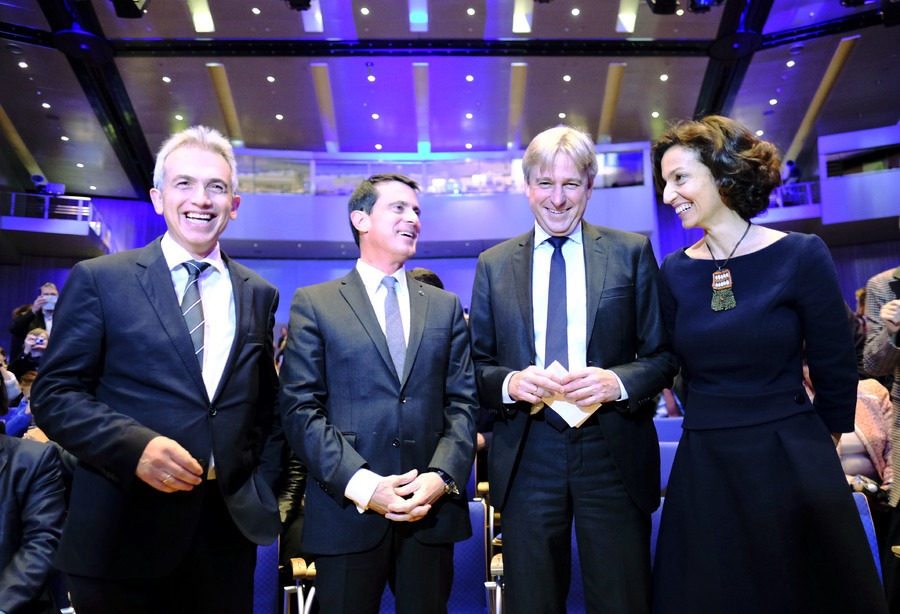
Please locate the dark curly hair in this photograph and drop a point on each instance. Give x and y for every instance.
(745, 169)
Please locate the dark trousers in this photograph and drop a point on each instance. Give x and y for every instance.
(419, 575)
(890, 564)
(561, 478)
(216, 576)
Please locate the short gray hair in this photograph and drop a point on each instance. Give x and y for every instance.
(201, 137)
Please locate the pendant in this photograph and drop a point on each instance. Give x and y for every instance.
(723, 297)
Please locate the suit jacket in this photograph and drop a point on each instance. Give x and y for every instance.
(120, 371)
(344, 407)
(625, 334)
(32, 510)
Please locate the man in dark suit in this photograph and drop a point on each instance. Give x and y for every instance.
(378, 399)
(587, 301)
(169, 414)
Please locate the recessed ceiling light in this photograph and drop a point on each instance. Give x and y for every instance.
(773, 101)
(364, 11)
(759, 133)
(255, 11)
(63, 138)
(279, 116)
(470, 11)
(80, 165)
(576, 12)
(179, 117)
(469, 116)
(167, 79)
(655, 114)
(23, 64)
(93, 187)
(377, 145)
(270, 79)
(562, 115)
(46, 105)
(470, 78)
(664, 77)
(790, 63)
(679, 12)
(468, 145)
(375, 116)
(567, 78)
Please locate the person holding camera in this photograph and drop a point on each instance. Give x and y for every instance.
(32, 351)
(39, 315)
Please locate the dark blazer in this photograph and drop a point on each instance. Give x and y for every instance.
(625, 334)
(120, 371)
(32, 511)
(344, 407)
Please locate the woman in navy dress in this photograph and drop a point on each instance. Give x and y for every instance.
(758, 516)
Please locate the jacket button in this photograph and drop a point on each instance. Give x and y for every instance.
(213, 411)
(800, 399)
(396, 443)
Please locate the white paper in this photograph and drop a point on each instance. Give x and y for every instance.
(572, 414)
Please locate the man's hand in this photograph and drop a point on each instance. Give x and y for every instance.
(386, 494)
(590, 386)
(38, 304)
(890, 315)
(422, 492)
(168, 467)
(533, 384)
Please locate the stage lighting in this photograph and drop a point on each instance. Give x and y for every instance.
(663, 7)
(298, 5)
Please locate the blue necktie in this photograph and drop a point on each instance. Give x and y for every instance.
(557, 337)
(192, 308)
(393, 325)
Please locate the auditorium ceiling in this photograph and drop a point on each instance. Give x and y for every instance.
(87, 95)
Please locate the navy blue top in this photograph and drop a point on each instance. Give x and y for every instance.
(743, 366)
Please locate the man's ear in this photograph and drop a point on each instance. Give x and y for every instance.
(360, 220)
(156, 199)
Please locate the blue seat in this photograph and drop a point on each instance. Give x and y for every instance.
(668, 429)
(266, 587)
(862, 505)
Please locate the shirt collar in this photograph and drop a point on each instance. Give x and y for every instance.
(541, 235)
(371, 277)
(176, 255)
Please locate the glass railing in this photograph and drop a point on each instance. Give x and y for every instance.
(53, 207)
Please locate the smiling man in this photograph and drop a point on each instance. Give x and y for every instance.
(162, 383)
(584, 297)
(378, 400)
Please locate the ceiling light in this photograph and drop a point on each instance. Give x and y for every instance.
(418, 15)
(377, 145)
(468, 145)
(759, 133)
(469, 116)
(790, 63)
(93, 187)
(655, 114)
(364, 11)
(562, 115)
(179, 117)
(201, 16)
(279, 116)
(80, 165)
(576, 12)
(679, 12)
(470, 78)
(46, 105)
(470, 11)
(255, 11)
(375, 116)
(567, 78)
(773, 101)
(23, 65)
(371, 77)
(664, 77)
(167, 79)
(63, 138)
(270, 79)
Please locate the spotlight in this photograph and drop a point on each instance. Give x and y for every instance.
(663, 7)
(298, 5)
(130, 9)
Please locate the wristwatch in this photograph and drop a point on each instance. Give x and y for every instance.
(449, 484)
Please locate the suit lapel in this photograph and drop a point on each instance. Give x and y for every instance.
(243, 307)
(153, 274)
(595, 263)
(354, 292)
(4, 455)
(418, 310)
(522, 261)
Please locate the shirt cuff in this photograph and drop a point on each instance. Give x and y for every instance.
(505, 392)
(624, 395)
(361, 487)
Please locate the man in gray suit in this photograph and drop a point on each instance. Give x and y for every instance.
(378, 400)
(570, 310)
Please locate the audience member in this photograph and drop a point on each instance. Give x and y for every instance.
(591, 346)
(758, 516)
(32, 353)
(37, 315)
(169, 409)
(32, 511)
(10, 382)
(426, 277)
(882, 358)
(378, 400)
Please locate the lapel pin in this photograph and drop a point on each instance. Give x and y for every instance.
(421, 293)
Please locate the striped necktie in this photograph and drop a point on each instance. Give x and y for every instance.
(192, 308)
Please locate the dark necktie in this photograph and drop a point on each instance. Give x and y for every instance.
(393, 325)
(192, 308)
(557, 337)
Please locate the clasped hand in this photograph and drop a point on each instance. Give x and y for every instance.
(890, 315)
(584, 388)
(407, 497)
